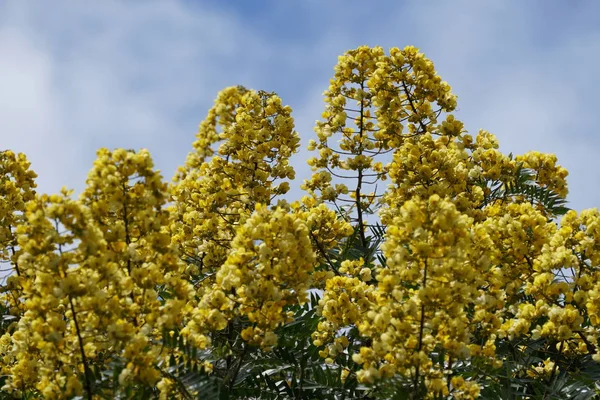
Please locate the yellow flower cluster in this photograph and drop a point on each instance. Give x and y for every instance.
(544, 370)
(369, 101)
(326, 231)
(463, 253)
(63, 299)
(267, 270)
(422, 294)
(212, 197)
(127, 197)
(16, 189)
(345, 302)
(548, 173)
(100, 281)
(564, 290)
(427, 165)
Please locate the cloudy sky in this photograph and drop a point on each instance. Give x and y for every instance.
(77, 75)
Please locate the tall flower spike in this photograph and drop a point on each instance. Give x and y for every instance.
(65, 274)
(370, 99)
(17, 184)
(422, 294)
(435, 164)
(256, 138)
(127, 199)
(16, 189)
(220, 115)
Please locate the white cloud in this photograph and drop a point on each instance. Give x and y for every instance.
(29, 112)
(75, 77)
(523, 72)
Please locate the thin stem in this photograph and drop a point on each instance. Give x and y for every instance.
(590, 346)
(421, 329)
(14, 251)
(359, 211)
(182, 389)
(324, 253)
(126, 223)
(412, 106)
(86, 368)
(128, 242)
(237, 368)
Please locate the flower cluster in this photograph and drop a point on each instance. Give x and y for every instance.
(466, 256)
(127, 199)
(65, 304)
(374, 103)
(16, 189)
(267, 270)
(212, 197)
(422, 294)
(100, 281)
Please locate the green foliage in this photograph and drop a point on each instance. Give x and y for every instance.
(523, 184)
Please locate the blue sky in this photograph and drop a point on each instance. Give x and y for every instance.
(79, 75)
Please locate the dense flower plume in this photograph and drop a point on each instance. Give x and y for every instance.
(217, 189)
(421, 263)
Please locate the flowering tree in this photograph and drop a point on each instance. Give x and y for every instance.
(421, 263)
